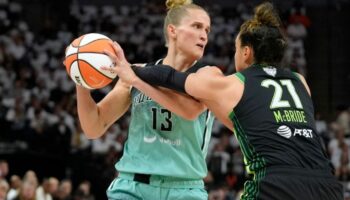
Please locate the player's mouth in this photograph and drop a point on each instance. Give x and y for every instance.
(200, 46)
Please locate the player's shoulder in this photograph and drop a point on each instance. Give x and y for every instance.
(211, 70)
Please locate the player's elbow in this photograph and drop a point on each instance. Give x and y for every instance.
(92, 133)
(92, 136)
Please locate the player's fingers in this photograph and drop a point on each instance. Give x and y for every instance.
(111, 55)
(110, 69)
(118, 51)
(114, 47)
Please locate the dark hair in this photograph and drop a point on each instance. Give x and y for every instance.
(264, 35)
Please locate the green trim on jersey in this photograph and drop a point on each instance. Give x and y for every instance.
(251, 188)
(240, 77)
(296, 75)
(255, 164)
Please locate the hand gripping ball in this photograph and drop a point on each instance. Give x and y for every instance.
(84, 58)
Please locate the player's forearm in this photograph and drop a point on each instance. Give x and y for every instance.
(88, 114)
(162, 75)
(183, 106)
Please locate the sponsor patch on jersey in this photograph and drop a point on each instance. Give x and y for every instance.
(150, 139)
(270, 71)
(284, 131)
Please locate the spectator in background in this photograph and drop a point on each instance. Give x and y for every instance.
(219, 160)
(16, 119)
(296, 31)
(58, 137)
(83, 192)
(322, 129)
(27, 191)
(15, 182)
(31, 178)
(4, 188)
(343, 119)
(298, 13)
(48, 187)
(339, 154)
(4, 169)
(80, 143)
(64, 190)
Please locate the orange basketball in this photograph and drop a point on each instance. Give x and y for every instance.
(84, 59)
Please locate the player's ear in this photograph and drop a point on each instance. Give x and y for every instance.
(248, 53)
(171, 29)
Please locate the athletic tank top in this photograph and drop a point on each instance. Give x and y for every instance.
(274, 121)
(162, 143)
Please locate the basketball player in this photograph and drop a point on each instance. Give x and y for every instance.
(269, 109)
(164, 155)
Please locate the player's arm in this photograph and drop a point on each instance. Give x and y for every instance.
(302, 79)
(180, 104)
(208, 85)
(203, 84)
(94, 118)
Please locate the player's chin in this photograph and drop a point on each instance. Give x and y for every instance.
(198, 55)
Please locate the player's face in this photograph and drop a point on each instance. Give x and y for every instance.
(241, 55)
(238, 54)
(192, 33)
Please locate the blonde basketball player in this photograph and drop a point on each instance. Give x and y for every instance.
(164, 155)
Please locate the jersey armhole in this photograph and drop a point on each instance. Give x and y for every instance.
(240, 77)
(302, 82)
(296, 75)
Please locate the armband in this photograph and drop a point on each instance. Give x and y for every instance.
(162, 75)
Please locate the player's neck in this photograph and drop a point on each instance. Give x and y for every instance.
(180, 63)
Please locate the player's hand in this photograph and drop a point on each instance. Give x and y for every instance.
(120, 65)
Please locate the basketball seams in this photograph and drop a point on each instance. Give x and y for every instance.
(84, 66)
(101, 59)
(92, 41)
(93, 67)
(78, 41)
(81, 42)
(70, 50)
(76, 67)
(92, 52)
(92, 37)
(69, 61)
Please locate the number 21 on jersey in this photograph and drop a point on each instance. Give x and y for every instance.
(277, 101)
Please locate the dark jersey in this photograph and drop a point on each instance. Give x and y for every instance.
(274, 121)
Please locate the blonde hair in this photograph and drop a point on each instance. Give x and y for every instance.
(177, 9)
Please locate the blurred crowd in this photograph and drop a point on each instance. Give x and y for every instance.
(28, 187)
(38, 107)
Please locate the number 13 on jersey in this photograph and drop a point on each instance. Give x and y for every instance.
(163, 119)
